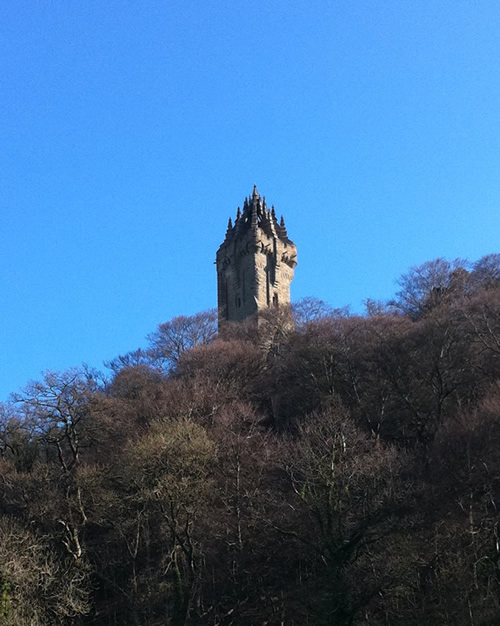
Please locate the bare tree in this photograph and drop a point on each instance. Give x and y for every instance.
(350, 488)
(59, 407)
(486, 271)
(309, 310)
(38, 586)
(425, 286)
(173, 338)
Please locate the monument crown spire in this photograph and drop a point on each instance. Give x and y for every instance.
(255, 262)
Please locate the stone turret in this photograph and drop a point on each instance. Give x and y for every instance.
(255, 262)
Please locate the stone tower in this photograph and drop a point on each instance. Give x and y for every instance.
(255, 262)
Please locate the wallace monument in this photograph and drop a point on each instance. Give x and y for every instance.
(255, 262)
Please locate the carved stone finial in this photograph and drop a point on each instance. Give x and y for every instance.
(238, 213)
(284, 234)
(229, 231)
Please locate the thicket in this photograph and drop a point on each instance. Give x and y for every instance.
(340, 470)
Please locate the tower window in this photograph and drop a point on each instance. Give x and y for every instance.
(275, 299)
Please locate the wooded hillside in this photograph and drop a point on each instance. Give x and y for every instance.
(341, 470)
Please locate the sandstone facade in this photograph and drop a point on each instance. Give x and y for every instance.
(255, 262)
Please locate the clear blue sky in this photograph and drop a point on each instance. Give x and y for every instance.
(131, 131)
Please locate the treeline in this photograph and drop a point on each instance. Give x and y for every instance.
(338, 470)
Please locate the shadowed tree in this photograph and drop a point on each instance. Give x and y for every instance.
(351, 490)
